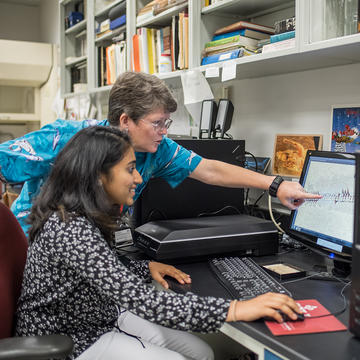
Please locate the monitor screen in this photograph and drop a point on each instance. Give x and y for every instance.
(193, 198)
(327, 223)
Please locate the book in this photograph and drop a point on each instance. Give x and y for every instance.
(151, 50)
(284, 25)
(239, 40)
(166, 37)
(222, 41)
(282, 36)
(181, 62)
(280, 45)
(310, 308)
(117, 22)
(225, 48)
(136, 53)
(143, 46)
(222, 56)
(175, 41)
(254, 34)
(244, 25)
(186, 40)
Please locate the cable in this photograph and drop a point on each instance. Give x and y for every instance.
(218, 211)
(272, 216)
(152, 212)
(256, 163)
(336, 313)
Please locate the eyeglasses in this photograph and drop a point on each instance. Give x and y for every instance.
(159, 124)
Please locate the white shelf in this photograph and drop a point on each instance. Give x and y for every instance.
(111, 34)
(204, 21)
(101, 89)
(76, 61)
(105, 10)
(163, 18)
(247, 8)
(351, 42)
(77, 27)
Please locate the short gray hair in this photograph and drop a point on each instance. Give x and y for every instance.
(138, 94)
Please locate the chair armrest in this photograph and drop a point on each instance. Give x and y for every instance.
(36, 347)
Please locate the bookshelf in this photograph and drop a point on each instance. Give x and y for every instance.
(311, 51)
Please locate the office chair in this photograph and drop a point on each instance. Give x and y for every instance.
(13, 249)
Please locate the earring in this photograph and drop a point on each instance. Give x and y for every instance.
(126, 130)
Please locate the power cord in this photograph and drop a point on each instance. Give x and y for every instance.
(218, 211)
(336, 313)
(272, 217)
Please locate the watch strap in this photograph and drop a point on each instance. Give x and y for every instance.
(273, 188)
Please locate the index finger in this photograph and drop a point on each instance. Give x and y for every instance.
(305, 195)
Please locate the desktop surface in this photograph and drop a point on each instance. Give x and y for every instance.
(319, 346)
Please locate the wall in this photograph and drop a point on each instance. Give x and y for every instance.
(49, 15)
(290, 103)
(19, 22)
(32, 21)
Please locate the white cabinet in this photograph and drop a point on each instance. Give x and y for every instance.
(322, 39)
(19, 103)
(24, 67)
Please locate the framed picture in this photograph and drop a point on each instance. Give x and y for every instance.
(345, 134)
(290, 151)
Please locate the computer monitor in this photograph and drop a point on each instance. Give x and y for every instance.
(193, 198)
(327, 224)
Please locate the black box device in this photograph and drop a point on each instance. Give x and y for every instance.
(204, 236)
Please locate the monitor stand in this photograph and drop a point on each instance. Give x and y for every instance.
(341, 269)
(338, 270)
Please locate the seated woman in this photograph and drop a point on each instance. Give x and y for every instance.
(75, 284)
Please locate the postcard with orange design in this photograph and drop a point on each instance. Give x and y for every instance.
(290, 151)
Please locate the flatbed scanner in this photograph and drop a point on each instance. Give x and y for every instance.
(206, 236)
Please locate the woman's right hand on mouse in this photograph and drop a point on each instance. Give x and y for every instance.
(266, 305)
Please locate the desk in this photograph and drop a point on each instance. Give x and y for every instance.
(258, 338)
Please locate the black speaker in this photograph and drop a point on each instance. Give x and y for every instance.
(354, 321)
(224, 117)
(208, 116)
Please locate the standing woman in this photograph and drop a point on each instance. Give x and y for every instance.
(141, 105)
(75, 284)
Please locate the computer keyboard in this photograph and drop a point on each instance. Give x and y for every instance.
(243, 278)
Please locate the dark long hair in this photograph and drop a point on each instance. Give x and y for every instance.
(73, 186)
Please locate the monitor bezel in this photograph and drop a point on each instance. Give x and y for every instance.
(309, 240)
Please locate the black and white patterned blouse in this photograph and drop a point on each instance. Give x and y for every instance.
(74, 283)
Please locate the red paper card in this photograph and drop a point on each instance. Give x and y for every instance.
(310, 308)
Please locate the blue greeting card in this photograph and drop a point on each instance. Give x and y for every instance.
(345, 136)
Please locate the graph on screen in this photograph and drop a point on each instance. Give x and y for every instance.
(333, 214)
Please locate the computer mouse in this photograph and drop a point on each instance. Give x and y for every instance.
(300, 317)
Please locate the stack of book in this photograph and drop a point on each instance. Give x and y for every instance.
(151, 45)
(284, 37)
(156, 7)
(116, 18)
(236, 40)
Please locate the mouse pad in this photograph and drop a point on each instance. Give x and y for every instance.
(310, 308)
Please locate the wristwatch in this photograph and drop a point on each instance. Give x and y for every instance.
(275, 185)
